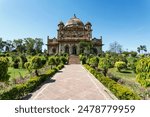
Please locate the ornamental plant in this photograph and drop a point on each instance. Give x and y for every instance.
(93, 62)
(103, 65)
(4, 69)
(120, 65)
(36, 63)
(143, 71)
(51, 61)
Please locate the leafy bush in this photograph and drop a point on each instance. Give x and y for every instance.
(51, 61)
(143, 71)
(120, 65)
(60, 66)
(118, 90)
(57, 60)
(104, 64)
(3, 69)
(36, 63)
(27, 65)
(23, 60)
(21, 90)
(93, 62)
(16, 62)
(82, 58)
(63, 59)
(132, 61)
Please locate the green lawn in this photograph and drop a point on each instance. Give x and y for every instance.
(14, 73)
(126, 74)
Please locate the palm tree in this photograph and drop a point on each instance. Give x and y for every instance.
(142, 48)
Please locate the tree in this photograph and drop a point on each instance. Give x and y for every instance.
(38, 45)
(115, 47)
(142, 48)
(19, 45)
(36, 63)
(29, 43)
(4, 69)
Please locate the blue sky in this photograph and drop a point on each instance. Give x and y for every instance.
(124, 21)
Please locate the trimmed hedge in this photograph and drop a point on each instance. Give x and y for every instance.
(121, 92)
(21, 90)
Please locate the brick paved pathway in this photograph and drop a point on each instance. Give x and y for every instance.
(72, 83)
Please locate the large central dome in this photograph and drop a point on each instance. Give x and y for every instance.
(74, 22)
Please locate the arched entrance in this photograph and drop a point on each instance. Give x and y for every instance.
(74, 50)
(54, 50)
(67, 49)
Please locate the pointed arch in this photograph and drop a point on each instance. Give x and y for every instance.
(74, 49)
(66, 49)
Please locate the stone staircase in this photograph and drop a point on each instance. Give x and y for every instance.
(73, 59)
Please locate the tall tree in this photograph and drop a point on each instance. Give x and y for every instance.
(19, 46)
(38, 45)
(8, 45)
(115, 47)
(30, 44)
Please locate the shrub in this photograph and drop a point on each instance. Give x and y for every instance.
(143, 71)
(4, 69)
(23, 60)
(57, 60)
(36, 63)
(120, 65)
(21, 90)
(16, 62)
(132, 61)
(51, 61)
(60, 66)
(82, 58)
(104, 64)
(63, 59)
(27, 65)
(93, 62)
(118, 90)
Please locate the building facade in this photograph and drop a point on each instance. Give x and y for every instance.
(70, 35)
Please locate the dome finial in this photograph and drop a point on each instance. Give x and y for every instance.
(75, 16)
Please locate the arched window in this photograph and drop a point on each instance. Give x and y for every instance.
(54, 50)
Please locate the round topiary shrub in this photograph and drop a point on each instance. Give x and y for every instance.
(93, 62)
(36, 63)
(120, 65)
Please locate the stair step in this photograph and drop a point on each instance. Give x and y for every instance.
(74, 59)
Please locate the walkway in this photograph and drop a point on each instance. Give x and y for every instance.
(72, 83)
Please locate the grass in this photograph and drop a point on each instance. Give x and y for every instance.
(125, 74)
(14, 73)
(129, 80)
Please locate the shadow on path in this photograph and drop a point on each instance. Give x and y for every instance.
(49, 80)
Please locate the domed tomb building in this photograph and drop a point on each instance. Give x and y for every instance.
(70, 35)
